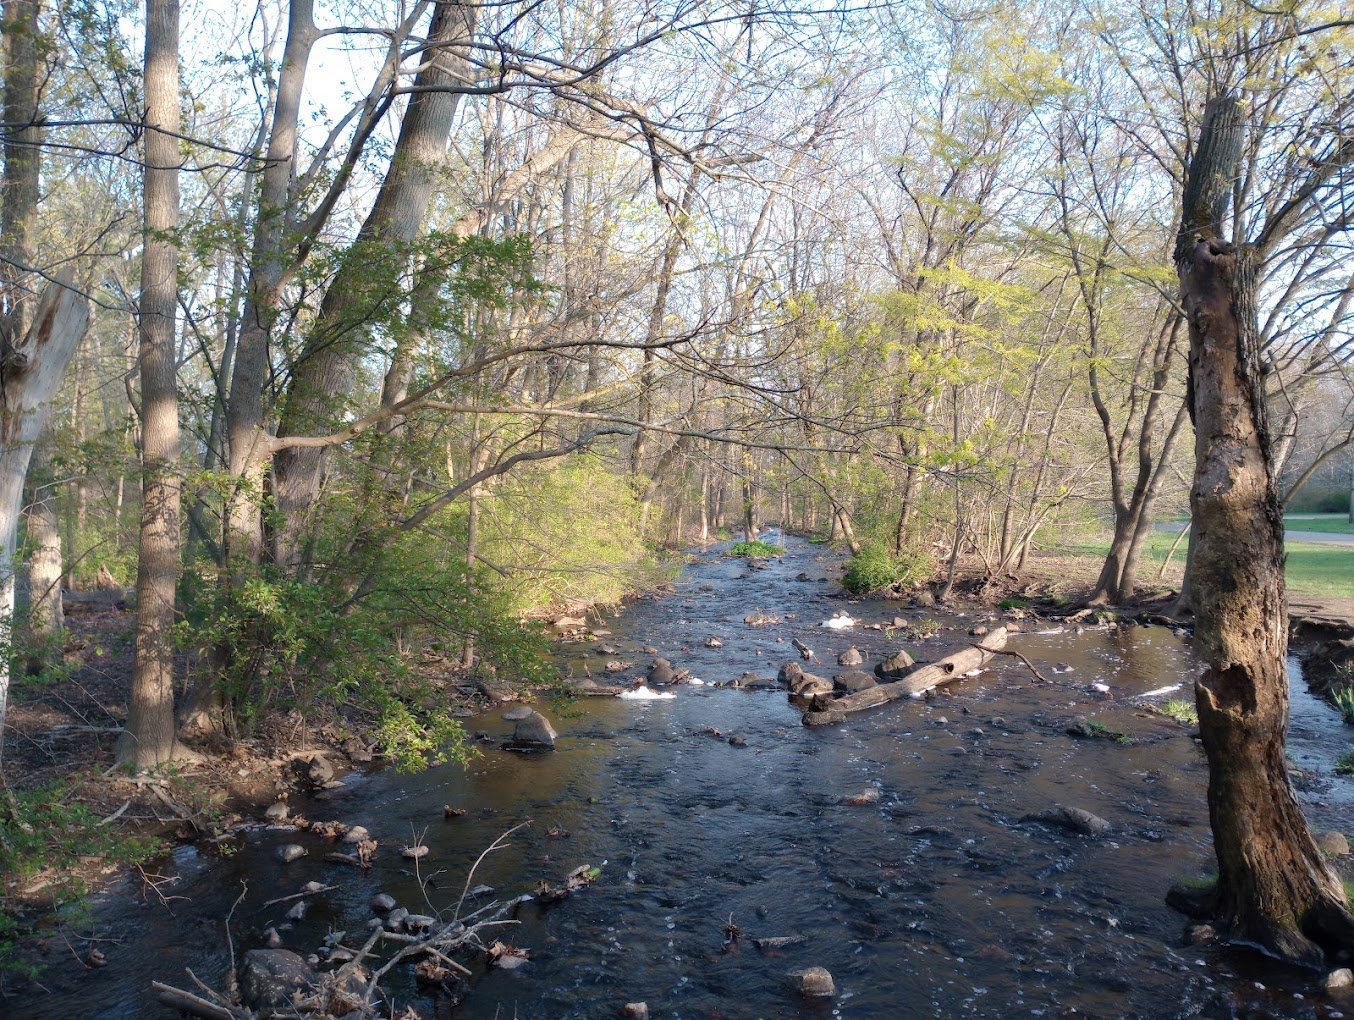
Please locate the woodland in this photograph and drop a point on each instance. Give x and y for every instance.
(335, 328)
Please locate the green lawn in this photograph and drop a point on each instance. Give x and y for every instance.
(1329, 524)
(1320, 569)
(1311, 568)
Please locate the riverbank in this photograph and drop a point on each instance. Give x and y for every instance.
(657, 766)
(909, 852)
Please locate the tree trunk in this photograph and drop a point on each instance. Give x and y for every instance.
(472, 530)
(333, 348)
(21, 181)
(30, 374)
(1274, 887)
(45, 619)
(247, 446)
(148, 741)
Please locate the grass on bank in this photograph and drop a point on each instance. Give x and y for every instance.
(1328, 524)
(1312, 569)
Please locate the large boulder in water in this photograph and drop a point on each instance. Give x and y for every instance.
(853, 681)
(660, 672)
(806, 685)
(895, 667)
(270, 977)
(534, 731)
(812, 983)
(789, 673)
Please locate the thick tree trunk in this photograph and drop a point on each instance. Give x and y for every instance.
(247, 446)
(1274, 887)
(31, 371)
(19, 187)
(323, 377)
(148, 741)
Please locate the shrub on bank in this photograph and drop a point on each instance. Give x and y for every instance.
(757, 548)
(873, 569)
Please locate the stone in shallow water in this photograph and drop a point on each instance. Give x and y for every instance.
(1335, 844)
(1339, 979)
(289, 852)
(850, 657)
(269, 977)
(826, 718)
(517, 714)
(853, 681)
(813, 982)
(383, 903)
(895, 666)
(869, 795)
(534, 731)
(807, 685)
(1076, 819)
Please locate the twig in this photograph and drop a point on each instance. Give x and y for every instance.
(210, 992)
(190, 1003)
(230, 941)
(497, 844)
(1027, 662)
(297, 896)
(116, 814)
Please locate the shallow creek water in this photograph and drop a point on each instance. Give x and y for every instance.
(937, 900)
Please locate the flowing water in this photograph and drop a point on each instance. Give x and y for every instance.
(937, 899)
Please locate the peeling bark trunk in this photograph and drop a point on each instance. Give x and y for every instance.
(30, 375)
(1274, 887)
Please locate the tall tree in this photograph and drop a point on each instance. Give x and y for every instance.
(37, 338)
(1274, 887)
(329, 362)
(148, 740)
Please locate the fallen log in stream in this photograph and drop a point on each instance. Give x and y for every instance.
(921, 679)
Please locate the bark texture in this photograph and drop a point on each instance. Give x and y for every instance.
(247, 445)
(324, 377)
(31, 371)
(148, 740)
(1274, 887)
(43, 538)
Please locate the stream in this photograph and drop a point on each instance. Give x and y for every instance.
(934, 900)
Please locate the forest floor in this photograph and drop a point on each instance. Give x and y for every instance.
(75, 819)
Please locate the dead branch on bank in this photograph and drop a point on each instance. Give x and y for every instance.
(353, 990)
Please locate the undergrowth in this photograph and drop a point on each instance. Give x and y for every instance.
(1344, 701)
(756, 548)
(1181, 710)
(873, 569)
(48, 833)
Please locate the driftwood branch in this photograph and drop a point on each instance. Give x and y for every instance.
(1027, 662)
(195, 1005)
(920, 680)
